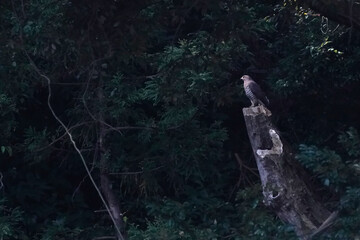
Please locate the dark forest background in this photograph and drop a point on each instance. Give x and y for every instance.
(150, 91)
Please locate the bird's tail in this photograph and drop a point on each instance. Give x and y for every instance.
(267, 102)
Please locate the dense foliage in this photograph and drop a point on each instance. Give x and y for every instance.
(158, 83)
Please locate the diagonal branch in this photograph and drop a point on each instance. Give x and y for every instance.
(74, 144)
(61, 137)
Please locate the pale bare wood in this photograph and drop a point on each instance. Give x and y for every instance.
(283, 180)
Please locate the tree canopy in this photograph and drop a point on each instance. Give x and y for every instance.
(150, 93)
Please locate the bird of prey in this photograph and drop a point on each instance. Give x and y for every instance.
(254, 92)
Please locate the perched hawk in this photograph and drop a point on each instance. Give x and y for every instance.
(254, 92)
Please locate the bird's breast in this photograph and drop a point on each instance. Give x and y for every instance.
(249, 93)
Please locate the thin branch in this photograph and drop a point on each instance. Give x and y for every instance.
(151, 128)
(68, 83)
(37, 70)
(104, 237)
(62, 136)
(138, 172)
(1, 182)
(100, 211)
(130, 128)
(351, 20)
(92, 65)
(88, 110)
(91, 169)
(242, 177)
(73, 143)
(241, 164)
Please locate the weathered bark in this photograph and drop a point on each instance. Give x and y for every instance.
(113, 205)
(283, 179)
(105, 183)
(345, 12)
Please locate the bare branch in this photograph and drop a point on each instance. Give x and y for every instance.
(135, 173)
(242, 165)
(73, 143)
(91, 169)
(62, 136)
(1, 182)
(88, 110)
(104, 237)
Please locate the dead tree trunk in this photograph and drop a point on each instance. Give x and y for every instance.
(283, 180)
(105, 183)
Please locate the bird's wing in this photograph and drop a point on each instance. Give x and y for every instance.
(256, 90)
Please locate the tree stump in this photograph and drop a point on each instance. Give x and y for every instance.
(283, 180)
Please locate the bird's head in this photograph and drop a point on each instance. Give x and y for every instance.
(245, 77)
